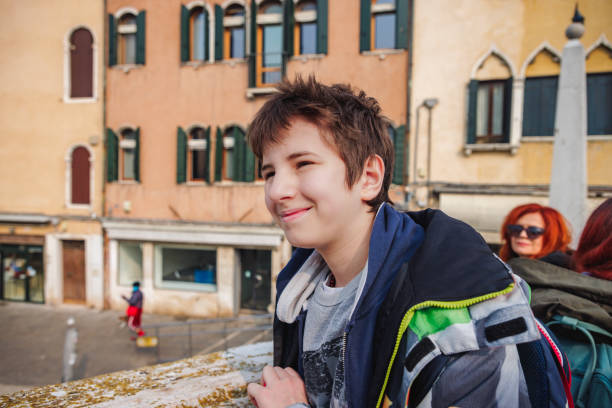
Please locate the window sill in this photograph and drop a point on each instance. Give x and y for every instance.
(80, 100)
(305, 57)
(382, 54)
(128, 182)
(251, 93)
(127, 67)
(196, 183)
(232, 62)
(468, 149)
(195, 64)
(71, 206)
(550, 139)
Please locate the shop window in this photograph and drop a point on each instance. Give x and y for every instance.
(255, 278)
(185, 267)
(127, 38)
(194, 34)
(22, 273)
(384, 24)
(130, 263)
(80, 176)
(81, 64)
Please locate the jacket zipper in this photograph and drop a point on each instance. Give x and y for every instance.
(432, 303)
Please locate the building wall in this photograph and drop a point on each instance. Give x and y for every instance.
(447, 47)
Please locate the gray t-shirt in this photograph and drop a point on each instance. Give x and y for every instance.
(329, 311)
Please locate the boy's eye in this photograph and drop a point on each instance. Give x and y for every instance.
(267, 174)
(303, 163)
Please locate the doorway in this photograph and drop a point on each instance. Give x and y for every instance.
(73, 263)
(255, 278)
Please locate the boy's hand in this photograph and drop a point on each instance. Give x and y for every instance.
(280, 387)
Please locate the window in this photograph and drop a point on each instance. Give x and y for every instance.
(397, 136)
(306, 28)
(79, 176)
(128, 160)
(193, 155)
(22, 273)
(599, 103)
(81, 64)
(194, 34)
(489, 107)
(230, 34)
(123, 155)
(269, 59)
(384, 24)
(127, 38)
(130, 263)
(233, 159)
(184, 267)
(255, 282)
(539, 105)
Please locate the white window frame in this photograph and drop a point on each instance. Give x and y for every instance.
(67, 73)
(193, 287)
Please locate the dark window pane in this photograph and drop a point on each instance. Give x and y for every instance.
(272, 52)
(197, 35)
(199, 164)
(234, 10)
(80, 176)
(192, 266)
(255, 266)
(81, 64)
(539, 106)
(385, 30)
(307, 6)
(599, 104)
(237, 43)
(308, 38)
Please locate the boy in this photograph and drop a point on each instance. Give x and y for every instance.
(381, 301)
(134, 310)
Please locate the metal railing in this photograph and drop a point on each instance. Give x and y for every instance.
(260, 322)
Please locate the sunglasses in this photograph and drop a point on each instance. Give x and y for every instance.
(532, 231)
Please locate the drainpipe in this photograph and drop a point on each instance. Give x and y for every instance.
(408, 194)
(429, 103)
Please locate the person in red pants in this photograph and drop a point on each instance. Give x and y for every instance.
(134, 310)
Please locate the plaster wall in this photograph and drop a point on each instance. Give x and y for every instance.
(39, 127)
(164, 94)
(447, 46)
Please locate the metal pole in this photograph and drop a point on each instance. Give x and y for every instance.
(158, 342)
(190, 347)
(69, 351)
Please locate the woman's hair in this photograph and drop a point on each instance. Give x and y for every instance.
(594, 252)
(556, 233)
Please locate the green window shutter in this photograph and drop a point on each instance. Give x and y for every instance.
(137, 157)
(599, 104)
(206, 32)
(140, 37)
(507, 109)
(398, 166)
(539, 105)
(181, 156)
(112, 156)
(218, 33)
(288, 25)
(219, 155)
(208, 150)
(239, 147)
(401, 24)
(322, 26)
(184, 34)
(249, 163)
(252, 44)
(365, 27)
(471, 119)
(112, 41)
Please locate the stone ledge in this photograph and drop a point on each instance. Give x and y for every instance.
(217, 379)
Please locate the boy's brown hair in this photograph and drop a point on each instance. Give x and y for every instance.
(349, 120)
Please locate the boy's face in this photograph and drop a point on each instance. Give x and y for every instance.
(306, 190)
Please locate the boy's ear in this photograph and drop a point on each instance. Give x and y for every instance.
(372, 177)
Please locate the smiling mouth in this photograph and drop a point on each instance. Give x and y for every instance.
(291, 215)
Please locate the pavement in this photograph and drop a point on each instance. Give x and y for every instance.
(32, 343)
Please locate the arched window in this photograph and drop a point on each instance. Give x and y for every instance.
(232, 44)
(383, 21)
(194, 33)
(305, 35)
(384, 24)
(540, 95)
(80, 176)
(81, 64)
(599, 90)
(269, 43)
(233, 159)
(127, 29)
(198, 154)
(129, 154)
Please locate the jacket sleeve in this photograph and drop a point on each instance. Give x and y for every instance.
(487, 377)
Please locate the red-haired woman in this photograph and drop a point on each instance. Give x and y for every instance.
(594, 252)
(537, 232)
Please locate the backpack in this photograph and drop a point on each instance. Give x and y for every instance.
(589, 351)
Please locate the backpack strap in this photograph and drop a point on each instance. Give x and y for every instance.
(585, 329)
(566, 379)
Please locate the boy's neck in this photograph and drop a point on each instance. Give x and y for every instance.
(346, 259)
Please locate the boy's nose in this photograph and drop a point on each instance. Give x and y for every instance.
(281, 188)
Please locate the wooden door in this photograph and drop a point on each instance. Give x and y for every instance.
(73, 255)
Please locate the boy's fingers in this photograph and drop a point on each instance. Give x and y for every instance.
(280, 372)
(269, 375)
(253, 390)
